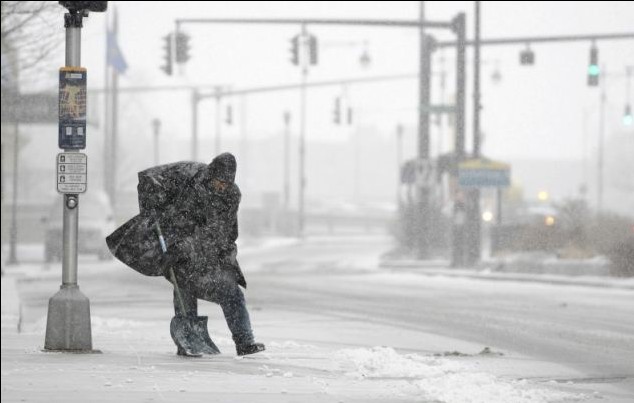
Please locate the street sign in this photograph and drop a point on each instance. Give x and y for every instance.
(484, 173)
(72, 108)
(72, 172)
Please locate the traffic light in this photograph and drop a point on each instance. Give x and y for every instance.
(527, 57)
(593, 67)
(336, 116)
(295, 50)
(182, 47)
(628, 119)
(313, 49)
(167, 67)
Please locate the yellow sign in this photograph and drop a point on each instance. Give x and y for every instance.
(484, 164)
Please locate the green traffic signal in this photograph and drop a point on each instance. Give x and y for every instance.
(593, 70)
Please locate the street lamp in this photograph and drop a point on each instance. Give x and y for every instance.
(364, 59)
(156, 126)
(628, 119)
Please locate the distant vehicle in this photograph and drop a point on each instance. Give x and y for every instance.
(96, 221)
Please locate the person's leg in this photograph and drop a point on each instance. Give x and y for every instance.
(226, 293)
(235, 310)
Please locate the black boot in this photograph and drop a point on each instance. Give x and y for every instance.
(252, 348)
(187, 352)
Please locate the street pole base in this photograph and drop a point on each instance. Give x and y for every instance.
(44, 350)
(68, 321)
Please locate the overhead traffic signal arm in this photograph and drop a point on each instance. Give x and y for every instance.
(167, 46)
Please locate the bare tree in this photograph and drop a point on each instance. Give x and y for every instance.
(31, 31)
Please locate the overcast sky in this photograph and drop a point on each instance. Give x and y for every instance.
(540, 111)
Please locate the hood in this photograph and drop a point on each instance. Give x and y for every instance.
(223, 168)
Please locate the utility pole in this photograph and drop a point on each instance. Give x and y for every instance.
(601, 144)
(399, 161)
(114, 128)
(13, 255)
(195, 97)
(218, 98)
(458, 235)
(423, 217)
(302, 135)
(287, 160)
(474, 233)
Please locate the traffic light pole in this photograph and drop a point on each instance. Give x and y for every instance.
(601, 146)
(287, 160)
(218, 97)
(302, 139)
(68, 321)
(195, 98)
(458, 222)
(13, 255)
(473, 227)
(424, 217)
(156, 127)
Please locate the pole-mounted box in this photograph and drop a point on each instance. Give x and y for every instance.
(72, 108)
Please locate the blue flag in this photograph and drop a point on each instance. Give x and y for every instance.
(115, 57)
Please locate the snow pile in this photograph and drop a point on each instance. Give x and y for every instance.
(289, 345)
(384, 362)
(443, 380)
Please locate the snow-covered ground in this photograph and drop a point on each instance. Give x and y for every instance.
(337, 329)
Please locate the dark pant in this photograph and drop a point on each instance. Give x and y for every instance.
(223, 291)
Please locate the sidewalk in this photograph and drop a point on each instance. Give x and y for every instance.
(309, 358)
(488, 271)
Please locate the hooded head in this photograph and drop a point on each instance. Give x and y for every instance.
(223, 168)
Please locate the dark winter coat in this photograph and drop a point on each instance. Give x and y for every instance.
(199, 224)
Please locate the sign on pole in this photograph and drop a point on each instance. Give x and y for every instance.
(72, 108)
(484, 173)
(72, 172)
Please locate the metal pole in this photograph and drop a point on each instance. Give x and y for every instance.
(68, 326)
(156, 125)
(357, 168)
(244, 146)
(458, 246)
(424, 219)
(399, 161)
(601, 143)
(459, 27)
(476, 84)
(114, 132)
(106, 129)
(474, 233)
(287, 159)
(302, 137)
(194, 105)
(13, 259)
(218, 120)
(499, 206)
(71, 201)
(424, 93)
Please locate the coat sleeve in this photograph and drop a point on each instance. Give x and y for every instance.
(232, 249)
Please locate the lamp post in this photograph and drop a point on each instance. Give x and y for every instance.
(156, 126)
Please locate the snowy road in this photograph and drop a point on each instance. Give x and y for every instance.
(591, 329)
(322, 305)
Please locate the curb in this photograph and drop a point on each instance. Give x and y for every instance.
(586, 281)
